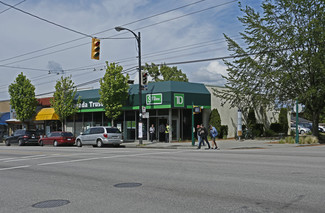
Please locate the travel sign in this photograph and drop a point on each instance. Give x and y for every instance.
(153, 99)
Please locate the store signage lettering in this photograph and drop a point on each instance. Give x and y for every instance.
(152, 99)
(90, 104)
(178, 100)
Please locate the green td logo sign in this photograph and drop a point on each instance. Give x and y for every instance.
(178, 100)
(152, 99)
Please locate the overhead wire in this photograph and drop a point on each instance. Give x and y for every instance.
(10, 7)
(172, 19)
(121, 61)
(43, 19)
(133, 22)
(144, 26)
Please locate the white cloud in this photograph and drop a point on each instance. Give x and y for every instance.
(211, 74)
(23, 33)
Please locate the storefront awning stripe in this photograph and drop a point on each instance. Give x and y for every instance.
(46, 114)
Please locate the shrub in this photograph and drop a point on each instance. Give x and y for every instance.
(269, 133)
(258, 130)
(283, 120)
(308, 140)
(223, 131)
(251, 119)
(215, 120)
(290, 140)
(276, 127)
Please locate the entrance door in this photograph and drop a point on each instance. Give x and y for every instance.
(161, 129)
(175, 129)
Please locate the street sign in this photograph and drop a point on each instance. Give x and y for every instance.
(143, 109)
(146, 115)
(299, 108)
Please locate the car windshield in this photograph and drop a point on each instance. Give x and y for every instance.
(30, 132)
(113, 130)
(66, 134)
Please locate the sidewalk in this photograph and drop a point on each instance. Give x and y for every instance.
(230, 144)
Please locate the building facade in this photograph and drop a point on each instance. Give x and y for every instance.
(163, 102)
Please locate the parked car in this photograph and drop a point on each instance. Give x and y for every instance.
(301, 129)
(321, 129)
(22, 137)
(99, 136)
(307, 125)
(57, 138)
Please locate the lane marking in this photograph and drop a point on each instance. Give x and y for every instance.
(108, 157)
(23, 158)
(16, 167)
(36, 157)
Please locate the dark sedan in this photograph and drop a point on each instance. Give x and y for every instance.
(22, 137)
(57, 138)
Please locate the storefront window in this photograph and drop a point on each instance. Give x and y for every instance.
(88, 120)
(98, 118)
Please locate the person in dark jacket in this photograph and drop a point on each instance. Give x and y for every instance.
(204, 135)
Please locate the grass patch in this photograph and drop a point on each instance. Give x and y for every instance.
(302, 140)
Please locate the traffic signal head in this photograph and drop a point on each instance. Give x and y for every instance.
(144, 78)
(95, 47)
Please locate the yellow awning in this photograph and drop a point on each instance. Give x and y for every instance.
(46, 114)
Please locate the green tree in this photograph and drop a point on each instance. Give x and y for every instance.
(165, 73)
(283, 120)
(113, 91)
(63, 99)
(22, 98)
(251, 119)
(284, 57)
(215, 120)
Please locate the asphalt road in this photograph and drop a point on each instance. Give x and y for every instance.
(71, 179)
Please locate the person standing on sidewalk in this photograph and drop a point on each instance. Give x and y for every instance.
(204, 134)
(198, 129)
(167, 133)
(152, 132)
(199, 138)
(214, 134)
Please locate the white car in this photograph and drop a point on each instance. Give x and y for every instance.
(321, 129)
(301, 129)
(100, 136)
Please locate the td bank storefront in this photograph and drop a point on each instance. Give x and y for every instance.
(163, 102)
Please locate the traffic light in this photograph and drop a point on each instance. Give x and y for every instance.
(196, 109)
(95, 47)
(144, 78)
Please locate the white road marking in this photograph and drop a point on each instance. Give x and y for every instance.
(36, 157)
(107, 157)
(16, 167)
(23, 158)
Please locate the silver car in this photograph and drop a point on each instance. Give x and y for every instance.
(100, 136)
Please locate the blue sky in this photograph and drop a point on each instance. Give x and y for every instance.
(186, 37)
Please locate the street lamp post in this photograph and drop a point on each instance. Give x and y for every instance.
(138, 38)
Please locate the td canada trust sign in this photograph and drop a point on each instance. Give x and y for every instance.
(157, 99)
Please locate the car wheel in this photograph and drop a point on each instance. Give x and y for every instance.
(20, 142)
(99, 143)
(302, 132)
(41, 143)
(7, 143)
(55, 143)
(79, 144)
